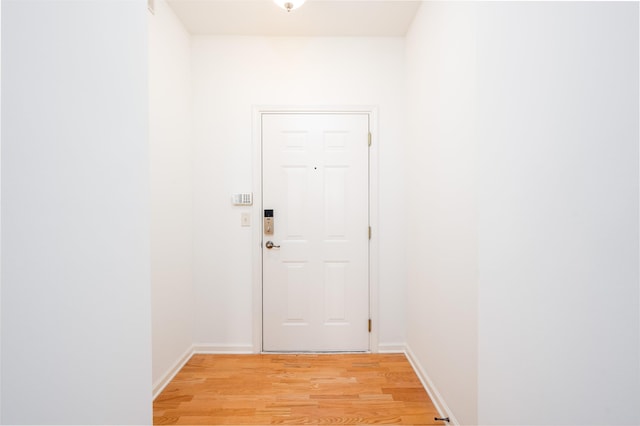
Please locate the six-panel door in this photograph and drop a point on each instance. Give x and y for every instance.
(316, 283)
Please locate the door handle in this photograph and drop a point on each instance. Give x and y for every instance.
(270, 245)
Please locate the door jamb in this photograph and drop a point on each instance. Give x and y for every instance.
(256, 235)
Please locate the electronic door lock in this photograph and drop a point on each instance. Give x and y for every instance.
(268, 222)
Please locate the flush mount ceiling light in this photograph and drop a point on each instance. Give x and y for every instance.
(289, 5)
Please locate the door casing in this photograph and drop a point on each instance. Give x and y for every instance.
(256, 235)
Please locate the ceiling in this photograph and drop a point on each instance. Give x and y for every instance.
(331, 18)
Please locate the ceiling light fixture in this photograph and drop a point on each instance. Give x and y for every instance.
(289, 5)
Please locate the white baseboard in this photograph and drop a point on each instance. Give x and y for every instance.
(391, 348)
(436, 398)
(200, 348)
(159, 386)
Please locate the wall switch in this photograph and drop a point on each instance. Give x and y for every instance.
(245, 219)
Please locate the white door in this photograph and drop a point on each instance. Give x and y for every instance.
(315, 178)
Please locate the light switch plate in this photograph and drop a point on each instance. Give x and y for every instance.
(245, 219)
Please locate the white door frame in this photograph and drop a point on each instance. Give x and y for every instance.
(256, 235)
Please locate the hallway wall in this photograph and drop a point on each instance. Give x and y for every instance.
(442, 252)
(558, 226)
(233, 74)
(171, 173)
(76, 335)
(524, 135)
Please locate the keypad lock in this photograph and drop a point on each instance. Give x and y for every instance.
(268, 222)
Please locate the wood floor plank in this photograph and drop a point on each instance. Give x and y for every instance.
(320, 389)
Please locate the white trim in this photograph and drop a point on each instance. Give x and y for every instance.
(200, 348)
(392, 348)
(436, 398)
(375, 231)
(256, 239)
(162, 383)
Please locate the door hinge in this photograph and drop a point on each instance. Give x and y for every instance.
(369, 138)
(369, 326)
(369, 232)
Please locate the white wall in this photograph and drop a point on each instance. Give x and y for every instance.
(0, 210)
(170, 150)
(558, 202)
(546, 189)
(76, 345)
(232, 74)
(442, 240)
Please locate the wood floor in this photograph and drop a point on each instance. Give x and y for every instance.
(295, 389)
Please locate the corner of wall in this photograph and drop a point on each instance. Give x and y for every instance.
(429, 386)
(166, 378)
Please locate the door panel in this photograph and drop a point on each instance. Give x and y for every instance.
(316, 180)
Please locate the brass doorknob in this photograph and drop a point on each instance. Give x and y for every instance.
(270, 245)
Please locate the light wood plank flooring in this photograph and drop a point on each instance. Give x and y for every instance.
(295, 389)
